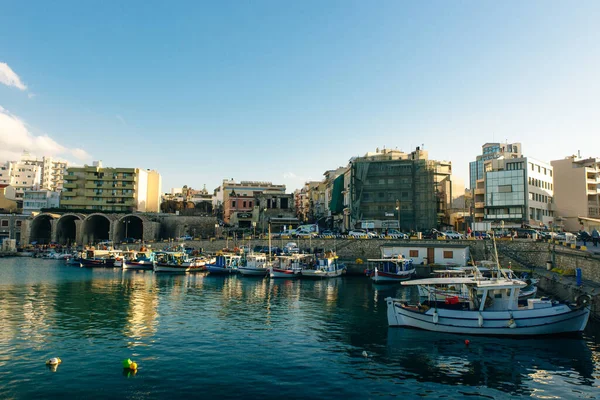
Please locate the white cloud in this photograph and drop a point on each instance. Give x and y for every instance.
(15, 137)
(8, 77)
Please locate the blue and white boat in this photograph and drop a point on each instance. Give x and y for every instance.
(224, 264)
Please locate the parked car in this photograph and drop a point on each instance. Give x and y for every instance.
(432, 234)
(565, 236)
(130, 240)
(186, 237)
(396, 234)
(329, 233)
(291, 247)
(361, 232)
(453, 235)
(480, 235)
(526, 233)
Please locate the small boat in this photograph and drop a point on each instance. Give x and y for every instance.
(171, 261)
(324, 267)
(255, 265)
(390, 269)
(288, 267)
(224, 264)
(139, 261)
(492, 308)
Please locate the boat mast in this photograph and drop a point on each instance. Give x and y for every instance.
(269, 241)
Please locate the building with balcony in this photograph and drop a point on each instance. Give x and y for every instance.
(577, 190)
(111, 189)
(31, 173)
(244, 189)
(393, 189)
(36, 200)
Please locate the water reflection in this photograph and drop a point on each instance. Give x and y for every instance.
(510, 365)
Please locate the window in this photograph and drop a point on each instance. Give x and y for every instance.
(4, 222)
(244, 204)
(19, 223)
(233, 203)
(413, 253)
(448, 254)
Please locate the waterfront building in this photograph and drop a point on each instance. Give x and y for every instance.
(30, 173)
(10, 226)
(392, 189)
(577, 191)
(36, 200)
(490, 151)
(243, 189)
(276, 209)
(515, 192)
(107, 189)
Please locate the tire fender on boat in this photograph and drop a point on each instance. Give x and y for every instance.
(512, 324)
(436, 317)
(480, 320)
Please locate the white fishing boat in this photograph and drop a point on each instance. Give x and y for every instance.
(140, 260)
(492, 308)
(326, 266)
(254, 264)
(390, 269)
(288, 266)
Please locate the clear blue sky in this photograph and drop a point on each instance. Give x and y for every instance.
(282, 91)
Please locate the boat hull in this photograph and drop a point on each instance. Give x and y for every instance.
(253, 271)
(283, 273)
(320, 274)
(134, 265)
(559, 319)
(212, 269)
(385, 277)
(88, 263)
(171, 268)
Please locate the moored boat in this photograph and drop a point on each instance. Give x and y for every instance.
(289, 266)
(255, 265)
(326, 266)
(224, 264)
(171, 261)
(390, 269)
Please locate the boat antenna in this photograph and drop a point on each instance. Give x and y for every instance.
(500, 272)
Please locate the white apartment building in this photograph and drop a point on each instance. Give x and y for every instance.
(577, 193)
(36, 200)
(30, 173)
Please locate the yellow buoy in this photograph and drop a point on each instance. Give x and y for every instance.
(133, 366)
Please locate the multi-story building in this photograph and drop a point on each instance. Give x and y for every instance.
(30, 173)
(391, 189)
(491, 151)
(248, 189)
(276, 210)
(36, 200)
(577, 190)
(515, 192)
(6, 204)
(111, 189)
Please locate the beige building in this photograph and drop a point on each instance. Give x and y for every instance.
(577, 190)
(111, 189)
(243, 189)
(6, 205)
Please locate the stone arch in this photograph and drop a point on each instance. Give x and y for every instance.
(67, 228)
(41, 228)
(130, 226)
(97, 227)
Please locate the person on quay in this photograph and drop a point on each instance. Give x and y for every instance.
(595, 237)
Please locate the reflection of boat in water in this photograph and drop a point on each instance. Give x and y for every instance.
(489, 363)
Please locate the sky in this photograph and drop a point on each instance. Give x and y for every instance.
(284, 91)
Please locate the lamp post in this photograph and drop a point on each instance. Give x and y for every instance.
(126, 221)
(254, 228)
(398, 210)
(216, 230)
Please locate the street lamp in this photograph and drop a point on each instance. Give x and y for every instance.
(254, 228)
(216, 227)
(398, 209)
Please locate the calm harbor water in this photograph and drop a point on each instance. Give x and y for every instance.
(237, 337)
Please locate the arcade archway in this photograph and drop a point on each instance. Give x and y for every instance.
(96, 228)
(41, 229)
(66, 229)
(130, 228)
